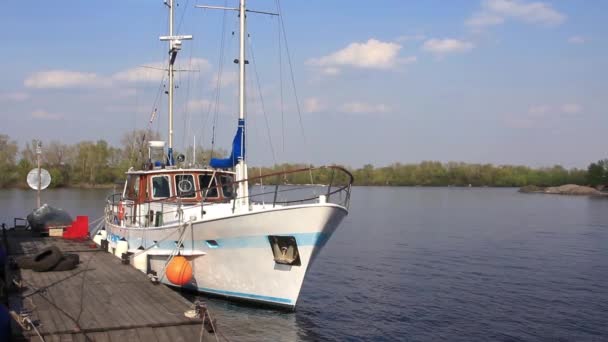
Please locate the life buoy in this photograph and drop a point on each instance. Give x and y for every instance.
(121, 211)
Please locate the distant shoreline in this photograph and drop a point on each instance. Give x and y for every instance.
(566, 189)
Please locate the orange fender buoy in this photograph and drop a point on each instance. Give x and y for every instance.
(121, 211)
(179, 271)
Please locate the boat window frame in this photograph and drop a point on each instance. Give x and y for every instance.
(205, 186)
(133, 182)
(168, 178)
(231, 185)
(178, 190)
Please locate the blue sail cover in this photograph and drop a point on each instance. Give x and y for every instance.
(238, 150)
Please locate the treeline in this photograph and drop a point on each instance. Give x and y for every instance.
(85, 164)
(433, 173)
(91, 163)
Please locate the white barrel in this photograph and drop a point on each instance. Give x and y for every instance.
(122, 246)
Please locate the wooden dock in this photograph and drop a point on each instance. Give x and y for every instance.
(100, 300)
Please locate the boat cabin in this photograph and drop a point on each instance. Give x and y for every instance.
(185, 185)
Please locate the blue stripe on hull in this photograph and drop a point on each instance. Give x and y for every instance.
(259, 241)
(247, 296)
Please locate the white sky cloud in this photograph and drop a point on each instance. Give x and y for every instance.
(373, 54)
(571, 108)
(364, 108)
(151, 72)
(58, 79)
(203, 105)
(539, 114)
(228, 78)
(154, 72)
(544, 109)
(410, 38)
(577, 40)
(42, 114)
(64, 79)
(447, 46)
(496, 12)
(16, 96)
(313, 105)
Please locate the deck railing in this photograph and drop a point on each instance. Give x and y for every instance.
(325, 184)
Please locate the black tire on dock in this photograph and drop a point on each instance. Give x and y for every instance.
(46, 259)
(67, 262)
(24, 262)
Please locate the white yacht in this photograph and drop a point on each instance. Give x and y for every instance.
(250, 244)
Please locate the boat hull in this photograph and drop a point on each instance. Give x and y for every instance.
(233, 257)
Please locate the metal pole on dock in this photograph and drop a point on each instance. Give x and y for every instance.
(38, 153)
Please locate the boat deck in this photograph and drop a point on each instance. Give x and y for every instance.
(100, 300)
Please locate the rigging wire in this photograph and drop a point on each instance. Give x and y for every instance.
(179, 25)
(218, 86)
(263, 107)
(281, 85)
(187, 119)
(293, 83)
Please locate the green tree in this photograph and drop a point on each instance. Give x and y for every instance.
(597, 173)
(8, 154)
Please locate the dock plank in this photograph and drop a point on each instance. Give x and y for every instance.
(100, 300)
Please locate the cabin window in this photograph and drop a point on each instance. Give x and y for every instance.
(132, 188)
(185, 186)
(208, 185)
(160, 187)
(227, 186)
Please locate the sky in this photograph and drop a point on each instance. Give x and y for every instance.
(481, 81)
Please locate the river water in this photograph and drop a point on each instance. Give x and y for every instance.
(428, 264)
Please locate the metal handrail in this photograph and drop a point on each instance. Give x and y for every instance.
(114, 199)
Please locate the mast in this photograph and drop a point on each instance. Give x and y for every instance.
(171, 85)
(175, 44)
(241, 167)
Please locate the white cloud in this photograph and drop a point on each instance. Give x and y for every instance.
(410, 38)
(447, 46)
(408, 60)
(364, 108)
(542, 114)
(571, 108)
(484, 19)
(496, 12)
(313, 105)
(228, 78)
(58, 79)
(202, 105)
(154, 72)
(373, 54)
(44, 115)
(331, 71)
(14, 97)
(577, 40)
(519, 123)
(539, 110)
(544, 109)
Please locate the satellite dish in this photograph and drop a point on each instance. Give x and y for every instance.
(32, 179)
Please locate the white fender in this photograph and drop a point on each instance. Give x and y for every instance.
(101, 235)
(122, 246)
(140, 260)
